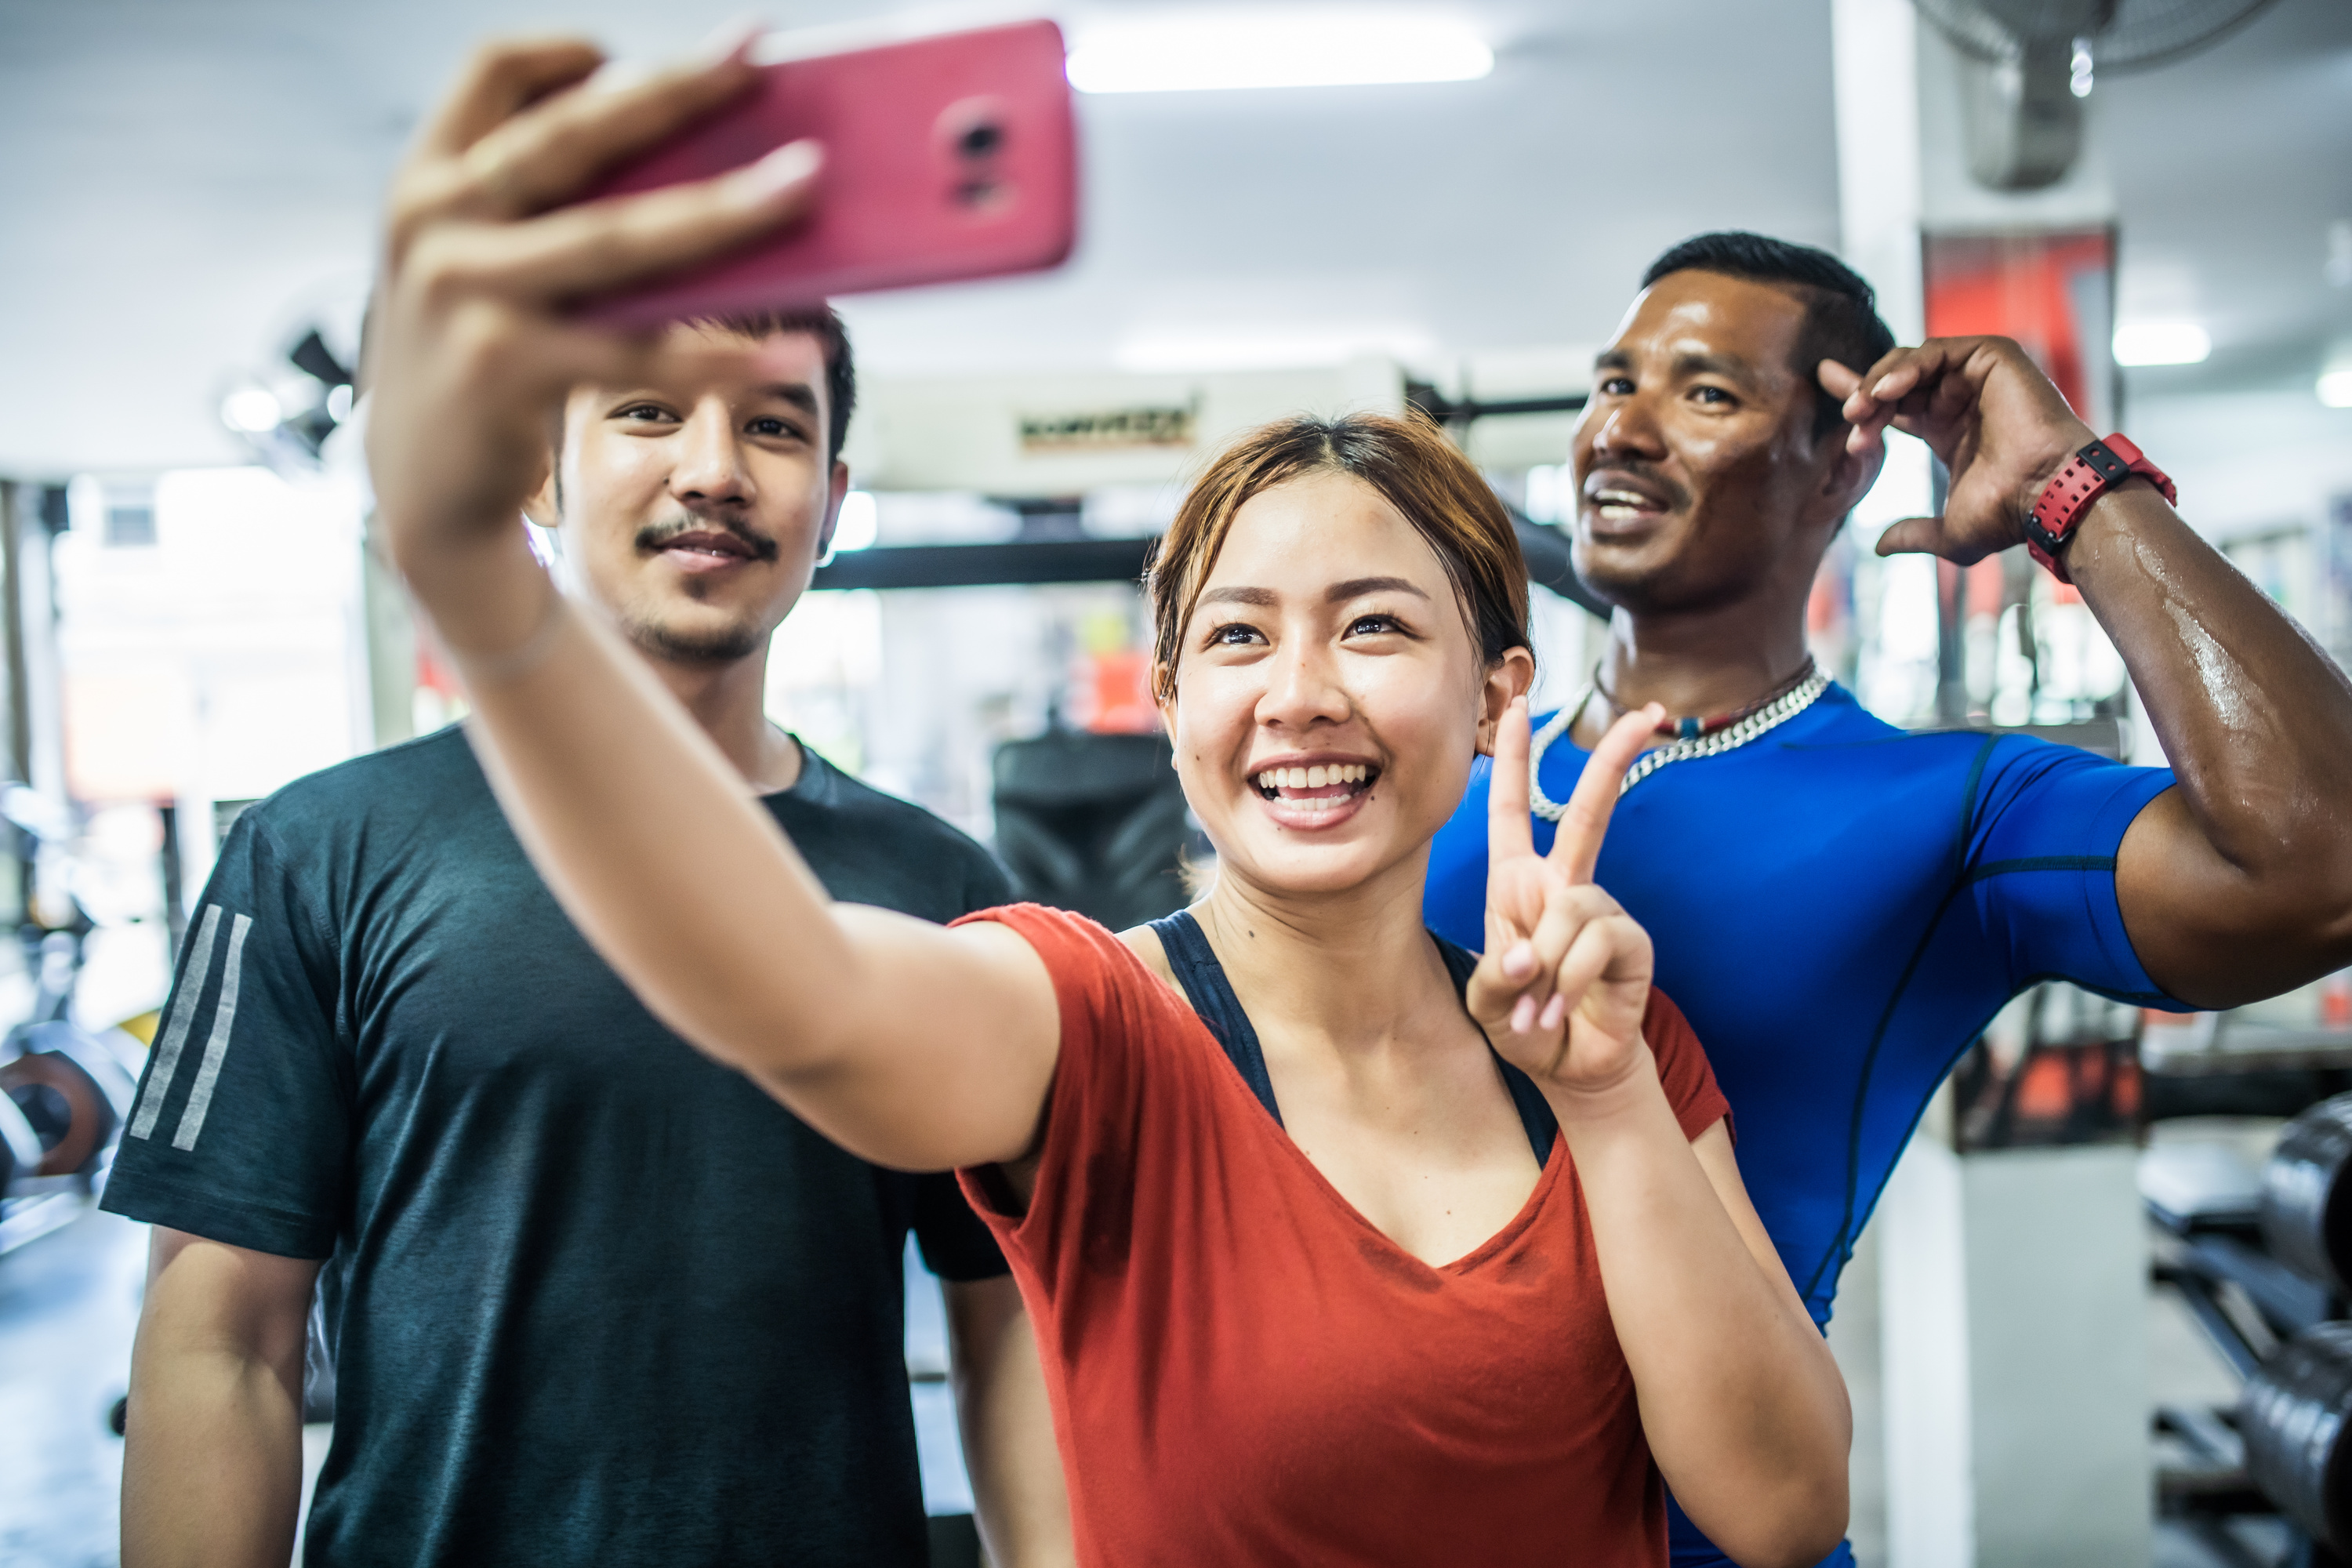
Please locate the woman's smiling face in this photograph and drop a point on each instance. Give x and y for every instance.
(1329, 697)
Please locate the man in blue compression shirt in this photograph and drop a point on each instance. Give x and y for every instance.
(1840, 907)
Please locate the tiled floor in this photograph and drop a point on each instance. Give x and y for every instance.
(69, 1302)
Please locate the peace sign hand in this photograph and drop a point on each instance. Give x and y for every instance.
(1565, 979)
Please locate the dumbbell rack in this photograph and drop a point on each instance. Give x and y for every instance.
(2263, 1264)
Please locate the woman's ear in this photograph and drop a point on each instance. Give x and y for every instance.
(1163, 694)
(1508, 678)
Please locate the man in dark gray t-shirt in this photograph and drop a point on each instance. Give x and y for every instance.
(591, 1299)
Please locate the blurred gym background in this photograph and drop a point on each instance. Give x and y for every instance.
(2088, 1324)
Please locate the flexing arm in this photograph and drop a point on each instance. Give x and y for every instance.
(1023, 1506)
(1742, 1404)
(212, 1458)
(2238, 884)
(905, 1044)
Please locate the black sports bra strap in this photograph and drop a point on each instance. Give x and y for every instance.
(1197, 970)
(1534, 1110)
(1204, 979)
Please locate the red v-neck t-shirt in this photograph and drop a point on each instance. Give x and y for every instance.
(1244, 1371)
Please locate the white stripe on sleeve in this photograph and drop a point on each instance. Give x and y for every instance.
(175, 1031)
(199, 1098)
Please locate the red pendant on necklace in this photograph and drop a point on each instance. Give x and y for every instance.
(1691, 729)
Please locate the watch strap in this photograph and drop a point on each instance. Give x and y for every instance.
(2090, 473)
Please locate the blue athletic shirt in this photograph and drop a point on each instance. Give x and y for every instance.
(1840, 908)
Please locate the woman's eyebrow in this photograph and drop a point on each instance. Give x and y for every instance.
(1237, 596)
(1357, 587)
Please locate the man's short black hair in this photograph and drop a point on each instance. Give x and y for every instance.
(822, 323)
(1842, 320)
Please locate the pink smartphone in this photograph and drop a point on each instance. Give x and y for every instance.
(947, 158)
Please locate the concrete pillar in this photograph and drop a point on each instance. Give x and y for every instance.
(32, 518)
(389, 626)
(385, 621)
(1874, 47)
(2014, 1336)
(2012, 1285)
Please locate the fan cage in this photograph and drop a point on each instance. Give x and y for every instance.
(2138, 35)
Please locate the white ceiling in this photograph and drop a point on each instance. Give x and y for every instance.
(2228, 168)
(188, 183)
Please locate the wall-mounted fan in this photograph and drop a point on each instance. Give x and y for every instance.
(2026, 65)
(286, 411)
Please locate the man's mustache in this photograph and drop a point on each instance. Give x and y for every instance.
(1648, 473)
(654, 536)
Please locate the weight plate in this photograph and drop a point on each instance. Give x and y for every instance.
(2292, 1417)
(110, 1058)
(88, 1118)
(2306, 1204)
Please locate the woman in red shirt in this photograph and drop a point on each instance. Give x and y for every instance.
(1341, 1245)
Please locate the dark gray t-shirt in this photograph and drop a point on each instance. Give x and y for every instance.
(591, 1297)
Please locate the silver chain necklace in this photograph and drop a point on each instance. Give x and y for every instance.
(1772, 715)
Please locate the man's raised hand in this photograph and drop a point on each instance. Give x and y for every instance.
(1565, 978)
(471, 352)
(1987, 410)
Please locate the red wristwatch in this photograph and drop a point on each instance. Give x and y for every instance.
(2088, 475)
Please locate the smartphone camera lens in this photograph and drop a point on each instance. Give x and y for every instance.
(971, 136)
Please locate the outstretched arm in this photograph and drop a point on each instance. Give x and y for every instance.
(1742, 1404)
(907, 1044)
(2238, 884)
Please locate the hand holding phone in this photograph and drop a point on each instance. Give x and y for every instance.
(473, 342)
(946, 158)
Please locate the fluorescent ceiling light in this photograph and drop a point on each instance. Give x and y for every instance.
(2335, 388)
(1196, 53)
(2162, 342)
(252, 410)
